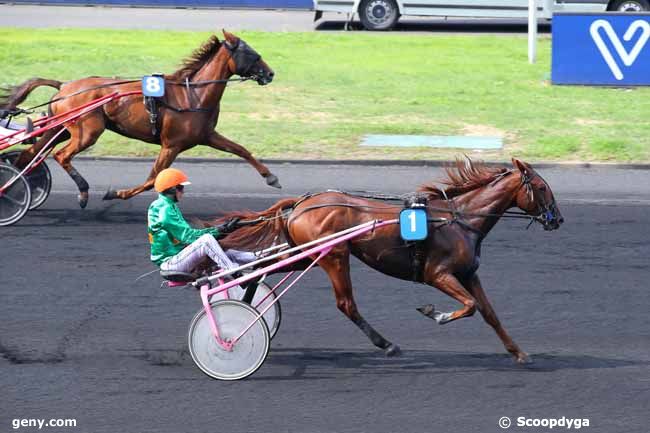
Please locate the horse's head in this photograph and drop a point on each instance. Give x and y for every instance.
(536, 198)
(245, 62)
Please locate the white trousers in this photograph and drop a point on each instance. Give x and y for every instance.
(4, 132)
(206, 246)
(7, 127)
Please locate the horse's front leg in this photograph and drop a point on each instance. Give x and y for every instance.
(219, 142)
(448, 284)
(165, 158)
(486, 310)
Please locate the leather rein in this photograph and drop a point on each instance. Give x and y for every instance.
(545, 209)
(248, 54)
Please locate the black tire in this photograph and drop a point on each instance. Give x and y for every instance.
(39, 179)
(15, 201)
(630, 6)
(378, 14)
(273, 317)
(275, 326)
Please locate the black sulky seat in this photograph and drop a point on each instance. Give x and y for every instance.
(178, 277)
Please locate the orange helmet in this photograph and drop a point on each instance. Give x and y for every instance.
(169, 178)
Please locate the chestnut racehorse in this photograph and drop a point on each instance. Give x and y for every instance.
(188, 112)
(473, 201)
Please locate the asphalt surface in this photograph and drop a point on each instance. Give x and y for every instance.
(79, 339)
(38, 16)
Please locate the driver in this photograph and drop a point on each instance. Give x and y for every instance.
(175, 246)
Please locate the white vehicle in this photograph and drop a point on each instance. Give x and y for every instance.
(383, 14)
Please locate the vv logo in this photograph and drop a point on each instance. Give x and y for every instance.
(600, 27)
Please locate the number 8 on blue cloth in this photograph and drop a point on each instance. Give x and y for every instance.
(153, 86)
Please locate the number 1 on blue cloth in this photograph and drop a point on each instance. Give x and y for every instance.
(413, 224)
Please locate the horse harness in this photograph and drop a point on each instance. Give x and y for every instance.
(414, 200)
(242, 54)
(420, 200)
(245, 59)
(417, 248)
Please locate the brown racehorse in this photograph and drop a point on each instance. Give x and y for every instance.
(188, 114)
(474, 200)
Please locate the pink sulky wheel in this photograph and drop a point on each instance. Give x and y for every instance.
(246, 355)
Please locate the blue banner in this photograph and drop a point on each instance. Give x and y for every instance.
(266, 4)
(611, 49)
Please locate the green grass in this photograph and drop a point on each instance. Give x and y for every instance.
(331, 89)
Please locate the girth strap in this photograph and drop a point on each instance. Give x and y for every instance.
(152, 106)
(419, 259)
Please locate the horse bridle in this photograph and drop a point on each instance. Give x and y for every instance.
(244, 57)
(547, 212)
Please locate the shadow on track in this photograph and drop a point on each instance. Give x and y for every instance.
(64, 217)
(320, 363)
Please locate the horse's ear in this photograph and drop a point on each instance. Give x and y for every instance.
(232, 39)
(521, 166)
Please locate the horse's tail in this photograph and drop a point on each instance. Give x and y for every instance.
(270, 230)
(15, 95)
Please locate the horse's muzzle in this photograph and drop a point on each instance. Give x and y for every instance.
(551, 219)
(264, 77)
(552, 223)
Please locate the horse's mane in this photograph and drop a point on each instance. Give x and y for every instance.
(465, 175)
(198, 58)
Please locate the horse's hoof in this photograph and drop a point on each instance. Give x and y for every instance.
(272, 180)
(523, 359)
(427, 310)
(430, 311)
(392, 350)
(111, 194)
(441, 317)
(83, 200)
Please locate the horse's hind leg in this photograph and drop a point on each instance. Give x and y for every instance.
(337, 267)
(165, 158)
(448, 284)
(27, 155)
(483, 304)
(84, 134)
(219, 142)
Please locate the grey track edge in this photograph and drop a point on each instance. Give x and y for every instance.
(365, 162)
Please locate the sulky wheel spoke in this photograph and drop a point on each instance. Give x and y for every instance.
(13, 200)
